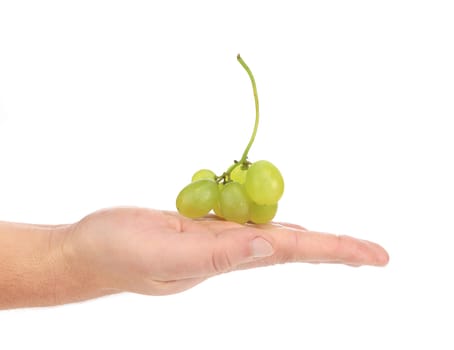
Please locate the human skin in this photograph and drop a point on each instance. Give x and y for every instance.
(152, 252)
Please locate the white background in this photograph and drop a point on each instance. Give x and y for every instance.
(106, 103)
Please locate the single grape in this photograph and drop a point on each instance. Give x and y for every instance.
(264, 183)
(238, 175)
(234, 203)
(197, 198)
(203, 174)
(261, 214)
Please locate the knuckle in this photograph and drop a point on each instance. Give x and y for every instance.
(220, 261)
(291, 251)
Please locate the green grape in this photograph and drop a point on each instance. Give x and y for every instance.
(203, 174)
(261, 214)
(238, 175)
(264, 183)
(197, 198)
(234, 203)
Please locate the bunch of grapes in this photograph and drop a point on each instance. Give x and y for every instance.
(246, 191)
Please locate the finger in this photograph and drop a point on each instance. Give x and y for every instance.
(221, 222)
(323, 247)
(210, 225)
(216, 225)
(315, 247)
(290, 225)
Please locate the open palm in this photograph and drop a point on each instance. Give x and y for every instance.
(159, 252)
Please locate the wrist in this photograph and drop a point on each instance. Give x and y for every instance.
(76, 274)
(41, 266)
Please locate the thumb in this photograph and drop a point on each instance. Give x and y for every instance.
(230, 251)
(195, 255)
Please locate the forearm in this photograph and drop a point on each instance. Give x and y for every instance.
(38, 268)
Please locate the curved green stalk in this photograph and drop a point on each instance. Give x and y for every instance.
(243, 161)
(256, 99)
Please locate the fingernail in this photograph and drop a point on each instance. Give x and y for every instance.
(261, 248)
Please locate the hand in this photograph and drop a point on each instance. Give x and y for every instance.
(158, 252)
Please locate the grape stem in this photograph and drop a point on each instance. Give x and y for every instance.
(256, 99)
(243, 160)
